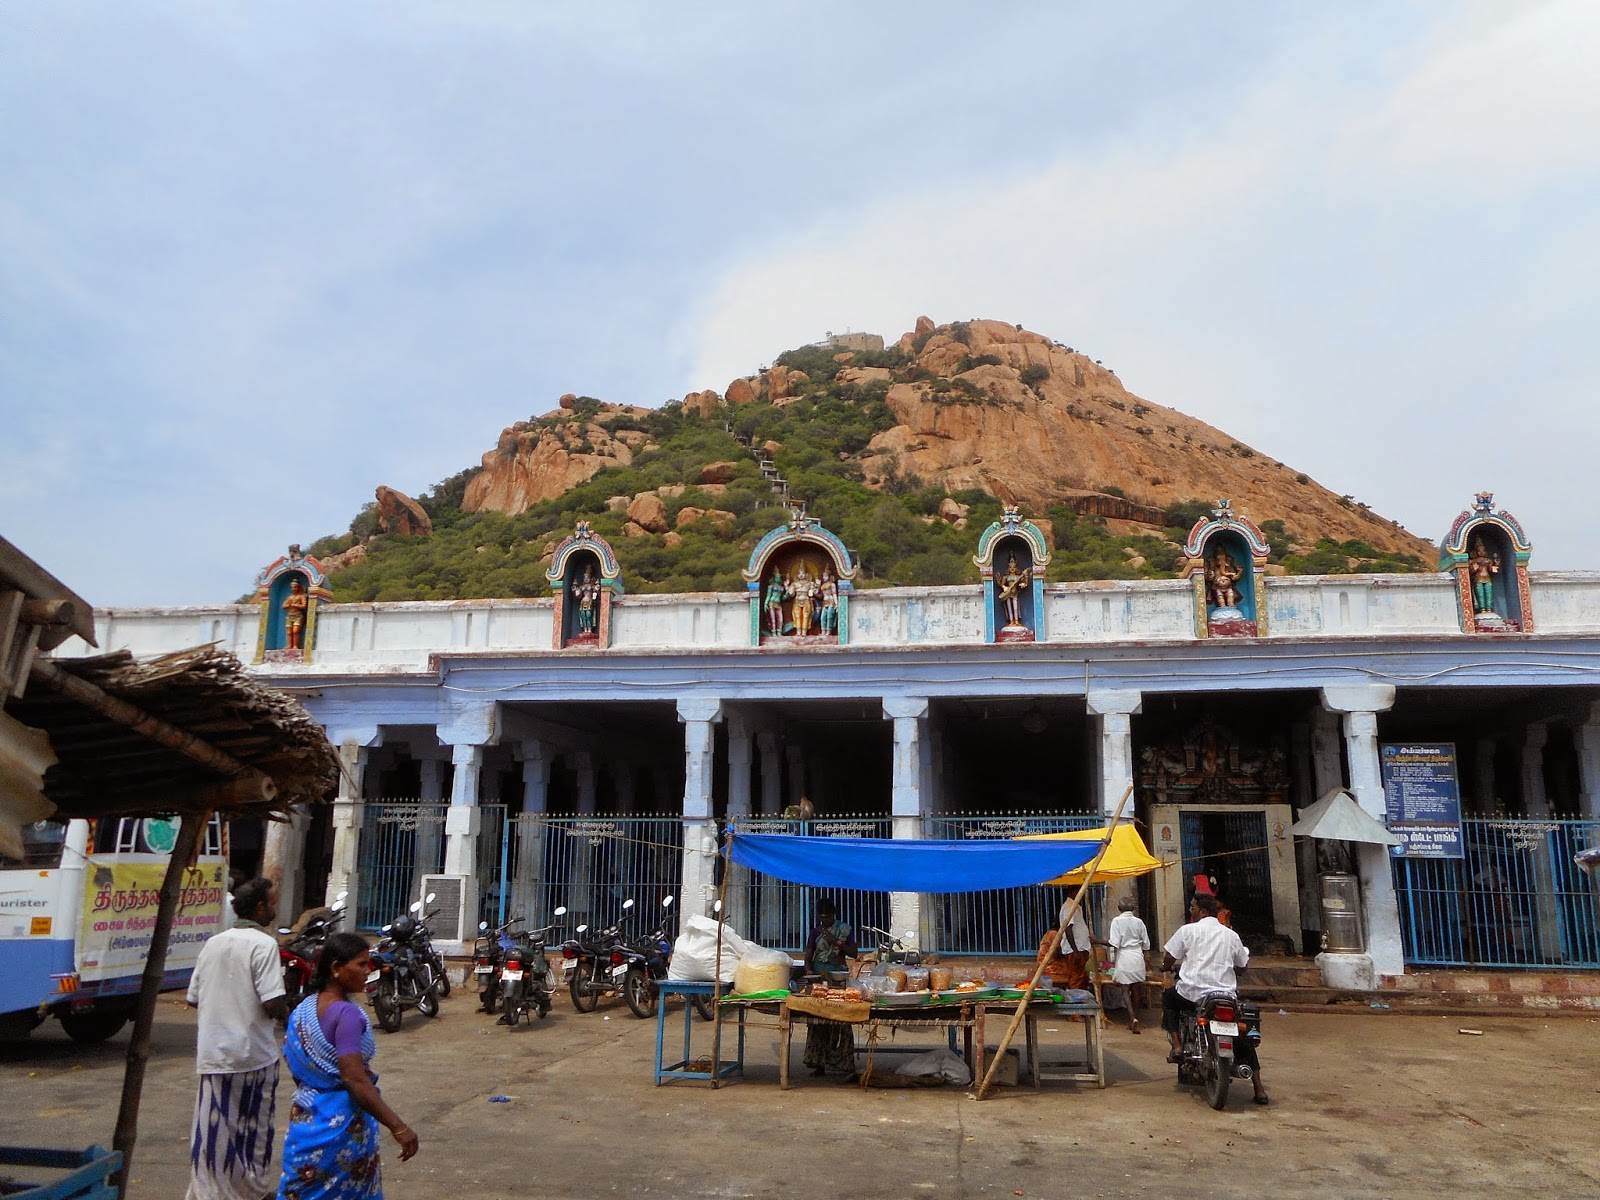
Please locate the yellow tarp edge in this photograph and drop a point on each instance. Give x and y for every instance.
(1126, 858)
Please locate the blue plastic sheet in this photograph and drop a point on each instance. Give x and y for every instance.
(892, 865)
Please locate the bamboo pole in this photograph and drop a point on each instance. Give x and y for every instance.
(1055, 941)
(725, 852)
(155, 966)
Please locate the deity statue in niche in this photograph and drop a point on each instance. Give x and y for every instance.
(1013, 584)
(1222, 579)
(1482, 567)
(777, 591)
(587, 593)
(828, 603)
(803, 587)
(294, 615)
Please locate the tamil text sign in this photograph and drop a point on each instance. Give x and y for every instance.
(1423, 798)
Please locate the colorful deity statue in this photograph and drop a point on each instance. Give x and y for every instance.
(1222, 579)
(587, 593)
(1482, 567)
(294, 615)
(828, 603)
(777, 592)
(1013, 584)
(803, 587)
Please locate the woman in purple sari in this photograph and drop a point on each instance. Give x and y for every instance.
(330, 1151)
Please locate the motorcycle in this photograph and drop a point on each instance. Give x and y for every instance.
(488, 956)
(1219, 1042)
(298, 955)
(526, 980)
(400, 978)
(596, 966)
(646, 960)
(892, 949)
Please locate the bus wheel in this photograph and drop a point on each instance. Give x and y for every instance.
(94, 1026)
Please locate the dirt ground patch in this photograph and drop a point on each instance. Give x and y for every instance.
(1381, 1105)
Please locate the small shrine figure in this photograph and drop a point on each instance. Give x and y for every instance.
(777, 592)
(803, 587)
(1482, 567)
(828, 603)
(587, 592)
(1222, 576)
(1012, 585)
(294, 615)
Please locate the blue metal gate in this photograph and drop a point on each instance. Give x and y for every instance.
(1516, 900)
(1003, 921)
(401, 841)
(592, 864)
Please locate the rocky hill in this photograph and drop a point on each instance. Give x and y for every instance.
(899, 450)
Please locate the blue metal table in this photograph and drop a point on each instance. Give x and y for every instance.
(720, 1068)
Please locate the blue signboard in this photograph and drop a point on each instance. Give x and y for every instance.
(1423, 798)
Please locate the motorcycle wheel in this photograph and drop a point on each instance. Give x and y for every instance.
(584, 999)
(511, 1008)
(386, 1006)
(640, 994)
(544, 1005)
(428, 1002)
(1217, 1076)
(441, 978)
(704, 1006)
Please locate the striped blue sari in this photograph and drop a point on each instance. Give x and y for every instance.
(330, 1150)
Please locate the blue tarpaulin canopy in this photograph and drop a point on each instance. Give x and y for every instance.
(892, 865)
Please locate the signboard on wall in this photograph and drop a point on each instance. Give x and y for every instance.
(1422, 794)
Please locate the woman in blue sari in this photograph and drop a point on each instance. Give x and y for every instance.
(330, 1150)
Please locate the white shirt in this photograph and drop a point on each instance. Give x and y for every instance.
(1078, 927)
(1207, 953)
(237, 972)
(1130, 939)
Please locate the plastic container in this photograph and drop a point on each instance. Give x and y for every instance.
(916, 979)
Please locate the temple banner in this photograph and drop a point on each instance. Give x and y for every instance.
(1423, 798)
(119, 913)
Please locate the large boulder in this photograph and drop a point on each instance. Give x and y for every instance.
(742, 391)
(399, 513)
(704, 403)
(784, 382)
(649, 512)
(688, 515)
(718, 472)
(348, 558)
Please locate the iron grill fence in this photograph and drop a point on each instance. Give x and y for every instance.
(1516, 900)
(591, 864)
(1004, 921)
(779, 914)
(401, 841)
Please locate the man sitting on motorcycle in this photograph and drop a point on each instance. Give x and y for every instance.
(1207, 956)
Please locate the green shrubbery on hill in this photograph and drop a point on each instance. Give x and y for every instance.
(894, 532)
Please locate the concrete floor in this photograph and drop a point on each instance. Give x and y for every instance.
(1366, 1105)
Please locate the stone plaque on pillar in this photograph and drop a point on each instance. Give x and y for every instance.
(1012, 557)
(1226, 560)
(1488, 554)
(799, 582)
(288, 591)
(584, 576)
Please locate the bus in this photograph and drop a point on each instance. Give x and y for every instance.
(76, 916)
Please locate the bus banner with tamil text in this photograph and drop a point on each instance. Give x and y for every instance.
(119, 915)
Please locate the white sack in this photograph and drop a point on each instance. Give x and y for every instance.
(694, 954)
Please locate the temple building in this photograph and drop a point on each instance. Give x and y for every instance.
(587, 747)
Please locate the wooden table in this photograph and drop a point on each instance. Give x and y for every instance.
(1094, 1065)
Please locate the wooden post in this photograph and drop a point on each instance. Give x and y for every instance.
(155, 967)
(726, 854)
(1055, 941)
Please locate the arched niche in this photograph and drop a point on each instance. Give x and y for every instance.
(1012, 557)
(288, 591)
(1488, 554)
(1226, 558)
(799, 581)
(584, 576)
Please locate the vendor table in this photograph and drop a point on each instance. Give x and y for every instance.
(969, 1018)
(720, 1068)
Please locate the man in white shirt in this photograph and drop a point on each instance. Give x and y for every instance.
(1207, 956)
(238, 987)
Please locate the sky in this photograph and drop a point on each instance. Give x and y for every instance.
(256, 260)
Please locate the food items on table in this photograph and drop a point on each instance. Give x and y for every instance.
(897, 976)
(916, 979)
(940, 979)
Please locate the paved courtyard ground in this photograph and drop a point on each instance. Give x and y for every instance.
(1366, 1105)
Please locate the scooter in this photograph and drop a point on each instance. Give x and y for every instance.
(526, 980)
(298, 955)
(1219, 1041)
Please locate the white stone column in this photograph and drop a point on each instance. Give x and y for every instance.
(1360, 706)
(699, 715)
(909, 714)
(530, 833)
(1535, 801)
(430, 834)
(348, 811)
(462, 821)
(1115, 712)
(1536, 806)
(771, 773)
(1586, 740)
